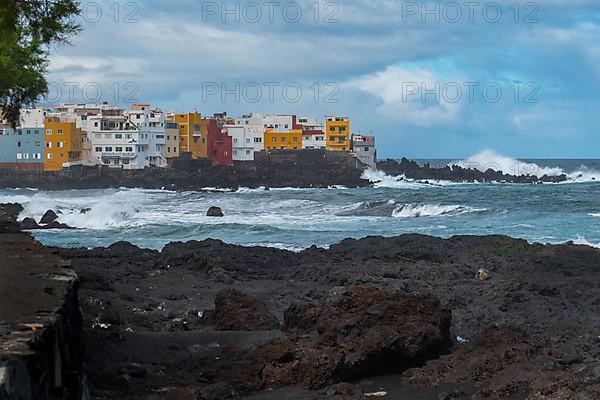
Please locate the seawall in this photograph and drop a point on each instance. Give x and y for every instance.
(41, 347)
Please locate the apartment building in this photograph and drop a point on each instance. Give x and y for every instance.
(22, 148)
(290, 140)
(255, 129)
(313, 133)
(219, 143)
(242, 142)
(171, 140)
(192, 133)
(337, 130)
(62, 143)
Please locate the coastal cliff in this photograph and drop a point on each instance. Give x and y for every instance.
(41, 347)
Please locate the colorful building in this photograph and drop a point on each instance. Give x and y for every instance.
(337, 130)
(21, 148)
(219, 143)
(291, 140)
(62, 142)
(192, 138)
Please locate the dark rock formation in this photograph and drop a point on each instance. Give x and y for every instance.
(147, 307)
(276, 168)
(214, 212)
(30, 224)
(412, 170)
(367, 331)
(41, 348)
(236, 311)
(48, 217)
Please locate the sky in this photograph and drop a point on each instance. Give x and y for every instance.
(429, 79)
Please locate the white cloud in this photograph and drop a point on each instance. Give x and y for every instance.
(396, 88)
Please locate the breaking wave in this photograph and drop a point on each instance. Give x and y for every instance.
(380, 179)
(489, 159)
(431, 210)
(584, 241)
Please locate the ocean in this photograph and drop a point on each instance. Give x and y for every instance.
(295, 219)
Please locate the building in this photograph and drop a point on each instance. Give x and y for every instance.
(219, 143)
(242, 142)
(171, 140)
(364, 148)
(132, 139)
(337, 130)
(255, 129)
(313, 133)
(280, 123)
(21, 148)
(291, 140)
(192, 138)
(62, 143)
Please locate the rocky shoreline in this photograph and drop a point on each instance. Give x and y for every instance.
(411, 317)
(275, 169)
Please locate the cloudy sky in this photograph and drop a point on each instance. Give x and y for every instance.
(442, 79)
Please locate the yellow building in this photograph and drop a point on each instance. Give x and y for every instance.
(192, 138)
(63, 144)
(337, 130)
(291, 140)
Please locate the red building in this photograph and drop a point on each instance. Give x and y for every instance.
(219, 147)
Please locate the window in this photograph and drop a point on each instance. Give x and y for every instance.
(247, 140)
(283, 139)
(48, 145)
(257, 140)
(235, 152)
(128, 136)
(38, 144)
(26, 156)
(366, 149)
(295, 139)
(286, 126)
(98, 136)
(108, 149)
(235, 140)
(118, 136)
(108, 136)
(60, 131)
(49, 156)
(18, 144)
(99, 149)
(37, 156)
(118, 149)
(49, 132)
(60, 145)
(129, 149)
(274, 140)
(247, 152)
(19, 156)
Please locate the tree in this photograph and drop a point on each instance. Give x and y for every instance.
(28, 30)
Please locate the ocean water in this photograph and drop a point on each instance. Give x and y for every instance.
(298, 218)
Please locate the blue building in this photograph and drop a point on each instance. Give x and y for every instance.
(23, 148)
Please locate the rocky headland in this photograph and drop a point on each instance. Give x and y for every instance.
(410, 317)
(412, 170)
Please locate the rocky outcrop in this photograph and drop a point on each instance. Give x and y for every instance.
(41, 349)
(236, 311)
(48, 217)
(214, 212)
(364, 331)
(412, 170)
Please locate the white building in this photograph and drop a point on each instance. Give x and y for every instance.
(242, 142)
(128, 139)
(33, 117)
(255, 129)
(279, 123)
(313, 133)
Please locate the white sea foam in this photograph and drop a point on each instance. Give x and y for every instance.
(489, 159)
(584, 241)
(380, 179)
(431, 210)
(596, 215)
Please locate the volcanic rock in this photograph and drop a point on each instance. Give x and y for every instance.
(236, 311)
(214, 212)
(29, 224)
(48, 217)
(373, 331)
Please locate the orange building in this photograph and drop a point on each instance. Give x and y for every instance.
(291, 140)
(63, 144)
(192, 136)
(337, 130)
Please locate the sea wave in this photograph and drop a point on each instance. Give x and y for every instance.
(431, 210)
(380, 179)
(582, 240)
(489, 159)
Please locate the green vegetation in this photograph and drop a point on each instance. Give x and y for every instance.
(28, 29)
